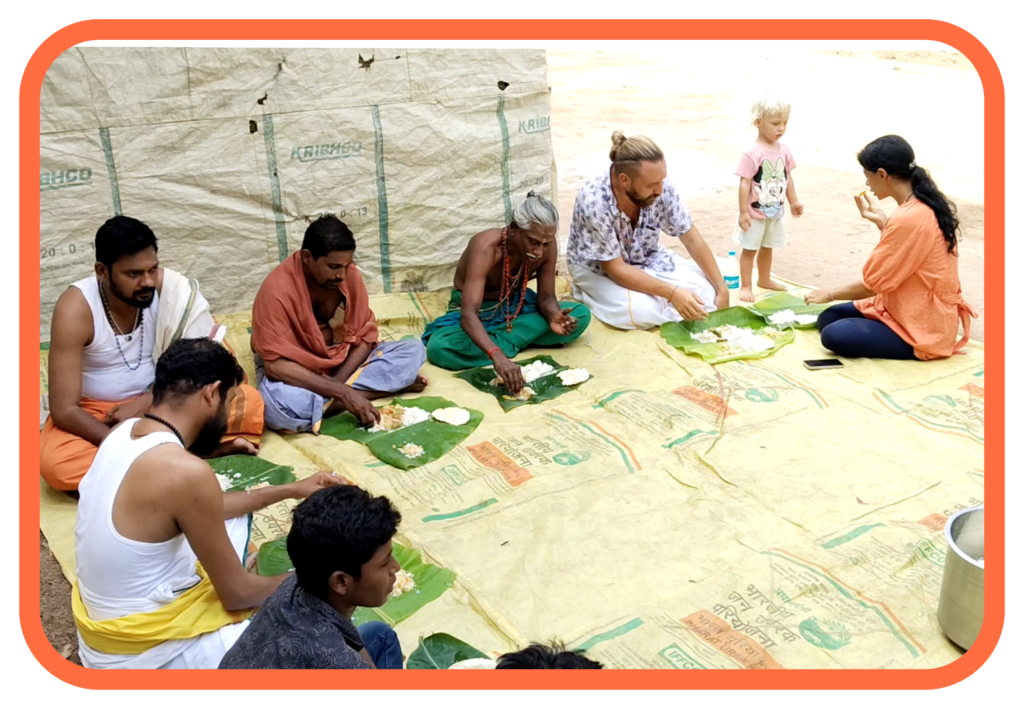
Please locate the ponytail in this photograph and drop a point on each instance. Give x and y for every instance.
(928, 192)
(894, 155)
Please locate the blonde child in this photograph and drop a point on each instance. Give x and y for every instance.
(766, 182)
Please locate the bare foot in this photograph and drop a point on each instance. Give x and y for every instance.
(770, 285)
(747, 294)
(417, 386)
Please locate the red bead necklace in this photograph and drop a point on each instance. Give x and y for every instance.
(508, 284)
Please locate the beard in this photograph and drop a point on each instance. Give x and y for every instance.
(209, 436)
(141, 298)
(641, 202)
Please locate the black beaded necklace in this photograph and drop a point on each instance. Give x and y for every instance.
(165, 423)
(140, 319)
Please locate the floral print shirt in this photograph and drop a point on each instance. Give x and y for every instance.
(601, 232)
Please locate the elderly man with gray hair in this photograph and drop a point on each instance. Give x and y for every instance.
(493, 315)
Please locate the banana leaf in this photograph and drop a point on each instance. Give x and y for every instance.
(436, 438)
(250, 471)
(272, 558)
(680, 335)
(547, 388)
(431, 581)
(439, 652)
(788, 301)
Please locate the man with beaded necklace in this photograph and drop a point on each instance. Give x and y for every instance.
(493, 315)
(104, 343)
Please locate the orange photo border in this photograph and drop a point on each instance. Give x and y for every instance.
(535, 31)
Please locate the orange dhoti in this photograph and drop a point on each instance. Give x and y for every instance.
(64, 458)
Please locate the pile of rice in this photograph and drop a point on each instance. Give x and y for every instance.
(738, 340)
(536, 370)
(224, 480)
(411, 450)
(531, 373)
(786, 318)
(394, 417)
(404, 583)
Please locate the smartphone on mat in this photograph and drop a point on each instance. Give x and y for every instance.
(822, 363)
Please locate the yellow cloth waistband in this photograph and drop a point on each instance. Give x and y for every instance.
(195, 612)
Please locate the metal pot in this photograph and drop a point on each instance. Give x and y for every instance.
(962, 598)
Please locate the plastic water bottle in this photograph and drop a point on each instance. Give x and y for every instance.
(732, 272)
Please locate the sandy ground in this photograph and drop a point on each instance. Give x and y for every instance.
(694, 102)
(55, 605)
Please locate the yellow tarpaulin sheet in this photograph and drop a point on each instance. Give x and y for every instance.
(673, 514)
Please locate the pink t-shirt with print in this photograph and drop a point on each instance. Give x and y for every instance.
(768, 170)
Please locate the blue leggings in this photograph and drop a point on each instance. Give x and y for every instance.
(845, 331)
(381, 645)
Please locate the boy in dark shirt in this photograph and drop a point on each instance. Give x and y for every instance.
(340, 546)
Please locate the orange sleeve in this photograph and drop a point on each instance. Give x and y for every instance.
(898, 255)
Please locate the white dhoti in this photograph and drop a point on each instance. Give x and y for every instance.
(631, 310)
(203, 652)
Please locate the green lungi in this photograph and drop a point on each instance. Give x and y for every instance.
(449, 347)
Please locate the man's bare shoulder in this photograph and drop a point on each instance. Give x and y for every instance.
(179, 471)
(189, 466)
(71, 303)
(485, 244)
(171, 483)
(485, 241)
(72, 318)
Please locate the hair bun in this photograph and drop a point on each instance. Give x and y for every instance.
(532, 193)
(618, 140)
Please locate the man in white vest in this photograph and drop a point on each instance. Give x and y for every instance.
(107, 332)
(160, 548)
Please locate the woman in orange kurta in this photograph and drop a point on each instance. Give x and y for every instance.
(908, 304)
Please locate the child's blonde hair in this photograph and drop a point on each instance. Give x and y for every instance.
(767, 105)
